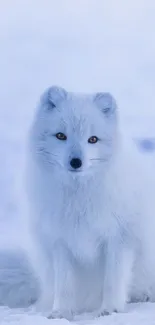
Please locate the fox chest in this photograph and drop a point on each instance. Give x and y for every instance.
(78, 226)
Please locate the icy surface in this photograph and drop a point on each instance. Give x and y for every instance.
(83, 46)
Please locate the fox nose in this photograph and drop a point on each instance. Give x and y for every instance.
(76, 163)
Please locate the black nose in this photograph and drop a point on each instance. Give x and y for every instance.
(76, 163)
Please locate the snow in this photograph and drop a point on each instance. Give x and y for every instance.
(83, 45)
(136, 314)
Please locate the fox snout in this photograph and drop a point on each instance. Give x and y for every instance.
(76, 163)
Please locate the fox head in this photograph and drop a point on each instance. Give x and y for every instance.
(74, 133)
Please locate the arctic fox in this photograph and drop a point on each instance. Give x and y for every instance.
(92, 234)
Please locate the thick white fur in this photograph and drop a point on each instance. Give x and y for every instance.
(92, 231)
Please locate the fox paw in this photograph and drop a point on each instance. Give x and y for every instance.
(59, 314)
(105, 311)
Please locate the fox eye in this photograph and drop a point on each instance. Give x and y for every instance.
(93, 139)
(61, 136)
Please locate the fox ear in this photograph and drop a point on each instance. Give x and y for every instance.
(106, 102)
(52, 96)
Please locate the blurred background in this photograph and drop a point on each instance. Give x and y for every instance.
(82, 45)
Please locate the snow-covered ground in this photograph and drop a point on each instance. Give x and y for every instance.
(135, 315)
(83, 45)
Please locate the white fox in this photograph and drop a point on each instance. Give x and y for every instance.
(89, 217)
